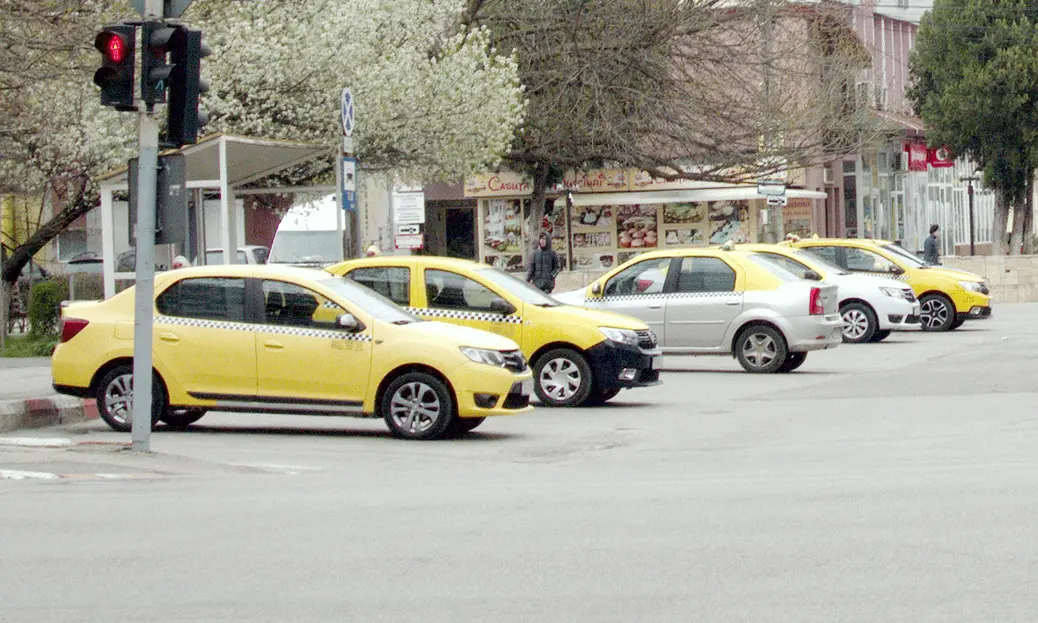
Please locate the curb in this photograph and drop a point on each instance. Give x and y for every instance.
(45, 412)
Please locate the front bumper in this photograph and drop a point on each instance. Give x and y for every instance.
(973, 303)
(898, 315)
(486, 391)
(615, 365)
(979, 313)
(810, 333)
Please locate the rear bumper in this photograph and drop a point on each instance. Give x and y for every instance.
(808, 333)
(620, 366)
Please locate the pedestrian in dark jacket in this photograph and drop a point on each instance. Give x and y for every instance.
(544, 265)
(930, 252)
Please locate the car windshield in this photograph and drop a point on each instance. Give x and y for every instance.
(828, 266)
(772, 267)
(526, 292)
(370, 301)
(905, 256)
(306, 247)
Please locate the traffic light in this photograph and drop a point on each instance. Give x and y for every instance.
(156, 38)
(118, 47)
(185, 86)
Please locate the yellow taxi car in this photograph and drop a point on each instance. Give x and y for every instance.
(279, 339)
(579, 356)
(947, 297)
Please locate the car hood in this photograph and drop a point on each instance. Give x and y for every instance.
(573, 297)
(594, 317)
(958, 275)
(444, 333)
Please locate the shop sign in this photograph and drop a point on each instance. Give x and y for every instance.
(408, 208)
(503, 184)
(411, 241)
(941, 158)
(796, 217)
(918, 156)
(596, 181)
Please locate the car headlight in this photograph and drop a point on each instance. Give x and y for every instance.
(896, 293)
(620, 336)
(482, 355)
(971, 286)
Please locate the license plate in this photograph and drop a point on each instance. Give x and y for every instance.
(527, 387)
(915, 310)
(657, 363)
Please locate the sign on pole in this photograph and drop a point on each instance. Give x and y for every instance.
(170, 8)
(348, 120)
(349, 184)
(409, 208)
(780, 202)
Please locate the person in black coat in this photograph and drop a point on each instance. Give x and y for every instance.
(544, 265)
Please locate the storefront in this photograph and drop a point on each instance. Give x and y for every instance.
(599, 219)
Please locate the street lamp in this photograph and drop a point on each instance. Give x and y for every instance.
(969, 179)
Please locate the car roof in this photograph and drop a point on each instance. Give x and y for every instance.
(415, 260)
(848, 241)
(259, 271)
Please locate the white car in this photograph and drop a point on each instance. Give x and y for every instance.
(721, 302)
(872, 307)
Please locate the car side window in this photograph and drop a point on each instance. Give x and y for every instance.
(447, 290)
(867, 261)
(392, 282)
(641, 279)
(705, 274)
(260, 254)
(287, 304)
(788, 263)
(204, 298)
(826, 253)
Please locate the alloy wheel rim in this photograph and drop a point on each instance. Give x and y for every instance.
(119, 398)
(855, 324)
(415, 407)
(759, 349)
(560, 379)
(934, 313)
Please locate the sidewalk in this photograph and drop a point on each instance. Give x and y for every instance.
(27, 399)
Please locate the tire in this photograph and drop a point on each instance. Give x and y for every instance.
(180, 420)
(793, 361)
(462, 425)
(761, 349)
(881, 335)
(115, 398)
(601, 396)
(417, 406)
(562, 378)
(960, 319)
(937, 313)
(859, 323)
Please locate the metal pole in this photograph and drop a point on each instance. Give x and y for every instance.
(969, 192)
(144, 291)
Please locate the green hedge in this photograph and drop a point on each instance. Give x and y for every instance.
(44, 310)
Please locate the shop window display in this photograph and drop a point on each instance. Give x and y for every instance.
(506, 230)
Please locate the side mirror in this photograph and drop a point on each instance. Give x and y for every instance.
(596, 288)
(501, 306)
(897, 270)
(812, 275)
(350, 323)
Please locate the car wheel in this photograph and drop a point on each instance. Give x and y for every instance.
(562, 378)
(462, 425)
(115, 398)
(960, 319)
(761, 349)
(793, 361)
(417, 405)
(937, 313)
(180, 420)
(601, 396)
(859, 323)
(881, 335)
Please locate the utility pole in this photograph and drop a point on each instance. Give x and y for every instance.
(765, 11)
(969, 179)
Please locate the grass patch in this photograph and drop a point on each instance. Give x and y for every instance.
(24, 346)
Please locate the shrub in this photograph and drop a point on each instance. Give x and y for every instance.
(45, 307)
(30, 347)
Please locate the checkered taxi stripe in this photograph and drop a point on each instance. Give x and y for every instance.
(264, 328)
(887, 276)
(660, 296)
(464, 315)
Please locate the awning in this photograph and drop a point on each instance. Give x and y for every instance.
(731, 193)
(904, 122)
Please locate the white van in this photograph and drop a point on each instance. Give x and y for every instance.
(308, 235)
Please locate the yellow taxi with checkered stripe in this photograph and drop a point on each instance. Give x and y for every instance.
(579, 356)
(947, 297)
(291, 340)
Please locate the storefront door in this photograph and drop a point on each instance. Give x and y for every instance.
(461, 233)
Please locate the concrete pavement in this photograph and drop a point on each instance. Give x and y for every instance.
(887, 482)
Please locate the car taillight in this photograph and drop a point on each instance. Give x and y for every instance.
(815, 306)
(70, 328)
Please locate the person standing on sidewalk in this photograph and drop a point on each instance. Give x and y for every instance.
(544, 265)
(930, 253)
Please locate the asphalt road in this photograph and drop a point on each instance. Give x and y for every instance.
(888, 482)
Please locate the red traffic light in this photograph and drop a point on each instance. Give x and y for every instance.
(112, 46)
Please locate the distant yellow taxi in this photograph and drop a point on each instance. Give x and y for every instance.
(277, 339)
(579, 356)
(947, 297)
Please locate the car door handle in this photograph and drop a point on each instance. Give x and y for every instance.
(655, 305)
(733, 303)
(169, 337)
(274, 345)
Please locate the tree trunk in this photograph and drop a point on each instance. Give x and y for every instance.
(5, 309)
(1016, 239)
(998, 227)
(540, 189)
(1029, 237)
